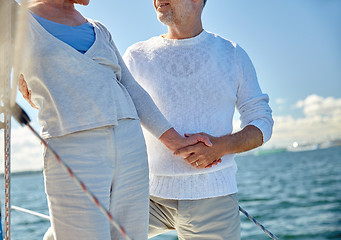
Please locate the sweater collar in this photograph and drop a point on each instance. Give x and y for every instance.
(185, 42)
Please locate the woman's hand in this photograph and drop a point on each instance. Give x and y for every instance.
(25, 92)
(174, 141)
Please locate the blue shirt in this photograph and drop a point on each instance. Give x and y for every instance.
(80, 37)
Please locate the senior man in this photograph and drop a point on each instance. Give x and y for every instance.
(197, 78)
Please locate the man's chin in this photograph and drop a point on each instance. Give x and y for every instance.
(165, 19)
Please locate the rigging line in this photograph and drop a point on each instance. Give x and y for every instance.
(43, 216)
(5, 75)
(7, 173)
(20, 115)
(258, 224)
(1, 237)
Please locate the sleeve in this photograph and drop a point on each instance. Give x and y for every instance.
(252, 104)
(130, 62)
(151, 117)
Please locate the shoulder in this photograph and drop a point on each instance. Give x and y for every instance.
(224, 46)
(142, 48)
(239, 51)
(230, 47)
(97, 24)
(217, 39)
(100, 26)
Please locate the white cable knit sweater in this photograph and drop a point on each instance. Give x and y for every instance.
(197, 83)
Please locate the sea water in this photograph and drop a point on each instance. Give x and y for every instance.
(295, 195)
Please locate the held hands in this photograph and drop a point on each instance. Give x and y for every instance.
(174, 141)
(25, 92)
(200, 155)
(197, 149)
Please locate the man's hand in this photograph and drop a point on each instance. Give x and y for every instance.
(25, 92)
(199, 155)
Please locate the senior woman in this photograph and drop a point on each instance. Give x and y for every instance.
(89, 110)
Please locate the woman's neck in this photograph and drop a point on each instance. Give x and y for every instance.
(61, 4)
(60, 11)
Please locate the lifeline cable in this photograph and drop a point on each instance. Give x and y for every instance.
(43, 216)
(19, 114)
(258, 224)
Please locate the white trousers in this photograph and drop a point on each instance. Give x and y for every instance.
(112, 162)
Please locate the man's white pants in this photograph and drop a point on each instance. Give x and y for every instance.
(112, 162)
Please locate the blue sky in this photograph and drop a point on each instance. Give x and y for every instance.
(294, 45)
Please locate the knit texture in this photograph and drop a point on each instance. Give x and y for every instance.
(197, 83)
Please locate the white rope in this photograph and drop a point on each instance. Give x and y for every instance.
(43, 216)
